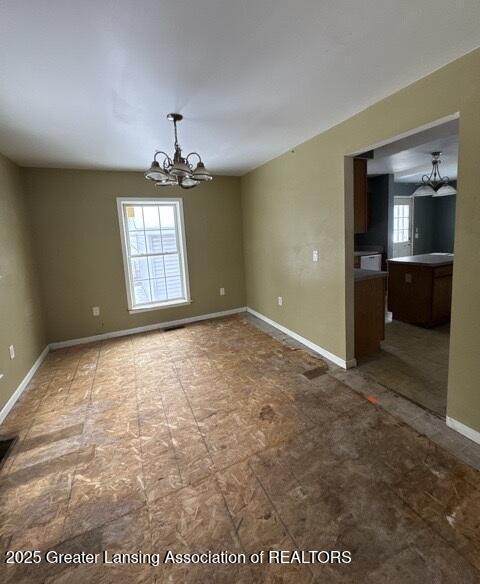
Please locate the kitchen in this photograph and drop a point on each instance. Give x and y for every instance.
(404, 218)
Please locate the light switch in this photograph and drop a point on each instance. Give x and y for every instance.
(222, 291)
(280, 301)
(11, 348)
(315, 255)
(408, 278)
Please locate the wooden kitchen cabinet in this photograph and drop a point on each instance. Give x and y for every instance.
(360, 195)
(369, 312)
(420, 289)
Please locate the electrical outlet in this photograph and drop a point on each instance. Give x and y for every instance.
(96, 310)
(280, 301)
(222, 291)
(315, 255)
(11, 348)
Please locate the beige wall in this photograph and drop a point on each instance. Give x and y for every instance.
(291, 205)
(21, 322)
(296, 203)
(77, 239)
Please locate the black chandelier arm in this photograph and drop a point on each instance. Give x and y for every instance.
(157, 152)
(166, 158)
(435, 178)
(427, 178)
(194, 154)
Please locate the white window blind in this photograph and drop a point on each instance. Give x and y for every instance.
(153, 245)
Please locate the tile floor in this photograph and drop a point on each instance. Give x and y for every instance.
(413, 362)
(211, 438)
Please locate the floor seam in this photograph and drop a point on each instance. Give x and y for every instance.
(430, 528)
(211, 459)
(164, 342)
(274, 507)
(141, 443)
(74, 473)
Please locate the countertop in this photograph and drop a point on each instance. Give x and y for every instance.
(365, 253)
(425, 259)
(368, 274)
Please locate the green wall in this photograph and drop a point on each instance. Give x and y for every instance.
(77, 240)
(21, 323)
(298, 202)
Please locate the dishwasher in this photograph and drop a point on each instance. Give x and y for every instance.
(371, 262)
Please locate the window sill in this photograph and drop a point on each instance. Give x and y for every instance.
(159, 306)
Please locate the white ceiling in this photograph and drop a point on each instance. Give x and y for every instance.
(410, 158)
(87, 83)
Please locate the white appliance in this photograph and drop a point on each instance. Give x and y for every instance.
(371, 262)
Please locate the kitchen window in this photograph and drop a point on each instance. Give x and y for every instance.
(154, 253)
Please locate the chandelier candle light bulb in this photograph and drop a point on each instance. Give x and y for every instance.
(179, 171)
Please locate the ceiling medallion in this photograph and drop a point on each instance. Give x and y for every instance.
(180, 170)
(434, 184)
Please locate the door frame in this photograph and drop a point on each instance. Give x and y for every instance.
(349, 230)
(411, 221)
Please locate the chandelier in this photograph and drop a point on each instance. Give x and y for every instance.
(434, 184)
(180, 170)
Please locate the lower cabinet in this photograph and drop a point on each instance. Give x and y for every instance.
(420, 294)
(369, 315)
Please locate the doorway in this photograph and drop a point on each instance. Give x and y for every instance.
(413, 230)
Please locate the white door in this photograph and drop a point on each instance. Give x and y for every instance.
(402, 227)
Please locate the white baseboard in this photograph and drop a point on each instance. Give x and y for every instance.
(143, 329)
(320, 350)
(23, 384)
(463, 429)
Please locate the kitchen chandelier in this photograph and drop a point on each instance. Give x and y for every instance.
(180, 170)
(434, 184)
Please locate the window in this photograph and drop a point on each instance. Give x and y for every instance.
(154, 255)
(401, 223)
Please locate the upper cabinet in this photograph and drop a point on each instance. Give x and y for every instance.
(360, 195)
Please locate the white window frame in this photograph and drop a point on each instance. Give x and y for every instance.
(122, 204)
(409, 218)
